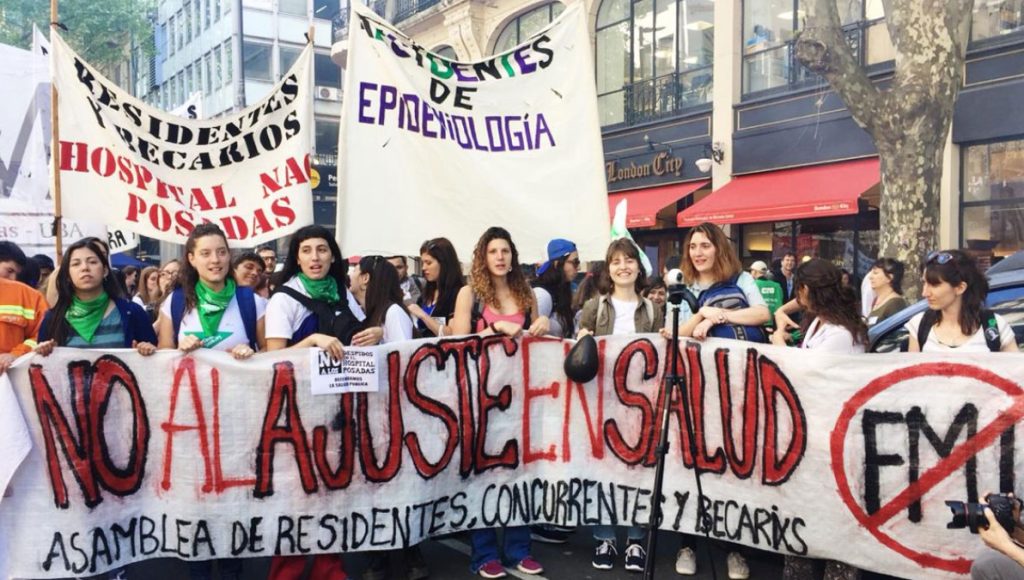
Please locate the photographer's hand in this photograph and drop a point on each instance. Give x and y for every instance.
(996, 538)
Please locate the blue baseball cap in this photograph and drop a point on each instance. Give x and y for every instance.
(557, 248)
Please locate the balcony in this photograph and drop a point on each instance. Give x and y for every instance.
(405, 9)
(666, 96)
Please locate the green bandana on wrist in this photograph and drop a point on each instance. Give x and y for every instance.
(325, 289)
(85, 315)
(212, 305)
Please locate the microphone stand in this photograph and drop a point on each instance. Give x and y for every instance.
(671, 382)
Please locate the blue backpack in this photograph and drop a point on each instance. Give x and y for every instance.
(246, 306)
(728, 295)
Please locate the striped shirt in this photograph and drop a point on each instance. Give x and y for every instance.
(109, 334)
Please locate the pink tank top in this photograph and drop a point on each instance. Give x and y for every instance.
(488, 317)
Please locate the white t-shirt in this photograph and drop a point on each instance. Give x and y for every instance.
(976, 343)
(285, 314)
(231, 331)
(546, 307)
(625, 316)
(745, 282)
(828, 337)
(138, 300)
(397, 325)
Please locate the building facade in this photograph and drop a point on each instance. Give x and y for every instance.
(782, 163)
(223, 55)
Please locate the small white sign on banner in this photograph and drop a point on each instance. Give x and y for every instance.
(356, 372)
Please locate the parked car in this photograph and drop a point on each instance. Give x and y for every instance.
(1005, 297)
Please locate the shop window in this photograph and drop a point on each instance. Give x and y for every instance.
(526, 25)
(995, 18)
(757, 242)
(653, 58)
(770, 28)
(993, 198)
(256, 61)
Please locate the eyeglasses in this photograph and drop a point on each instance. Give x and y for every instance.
(575, 262)
(940, 258)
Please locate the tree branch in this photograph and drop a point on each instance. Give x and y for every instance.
(822, 48)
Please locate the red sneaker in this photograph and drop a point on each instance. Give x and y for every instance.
(492, 569)
(529, 566)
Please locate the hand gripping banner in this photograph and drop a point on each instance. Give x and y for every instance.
(847, 458)
(125, 163)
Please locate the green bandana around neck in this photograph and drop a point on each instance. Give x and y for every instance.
(325, 289)
(85, 315)
(212, 305)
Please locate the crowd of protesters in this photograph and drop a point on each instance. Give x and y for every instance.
(243, 303)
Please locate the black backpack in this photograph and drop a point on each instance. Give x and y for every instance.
(729, 296)
(333, 319)
(988, 324)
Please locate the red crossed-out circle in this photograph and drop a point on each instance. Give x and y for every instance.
(930, 478)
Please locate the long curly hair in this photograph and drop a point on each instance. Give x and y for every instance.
(957, 268)
(480, 277)
(828, 299)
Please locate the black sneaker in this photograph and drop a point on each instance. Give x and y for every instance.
(604, 555)
(636, 557)
(548, 535)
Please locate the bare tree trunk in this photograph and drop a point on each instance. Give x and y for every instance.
(908, 121)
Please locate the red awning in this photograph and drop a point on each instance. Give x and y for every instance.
(787, 194)
(643, 205)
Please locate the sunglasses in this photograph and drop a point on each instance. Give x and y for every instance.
(575, 262)
(940, 258)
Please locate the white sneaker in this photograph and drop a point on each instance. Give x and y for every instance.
(686, 562)
(737, 565)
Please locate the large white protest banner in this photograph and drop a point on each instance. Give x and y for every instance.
(128, 164)
(433, 147)
(823, 456)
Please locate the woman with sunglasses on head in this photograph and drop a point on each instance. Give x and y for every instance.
(831, 324)
(498, 300)
(553, 287)
(443, 274)
(90, 311)
(886, 281)
(956, 319)
(207, 309)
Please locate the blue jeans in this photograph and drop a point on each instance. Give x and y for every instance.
(633, 533)
(230, 569)
(485, 546)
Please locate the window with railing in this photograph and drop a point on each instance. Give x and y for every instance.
(770, 29)
(654, 58)
(526, 25)
(406, 8)
(996, 18)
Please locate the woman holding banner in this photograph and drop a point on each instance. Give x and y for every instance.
(621, 311)
(90, 311)
(956, 319)
(831, 323)
(498, 300)
(314, 279)
(208, 310)
(436, 307)
(731, 306)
